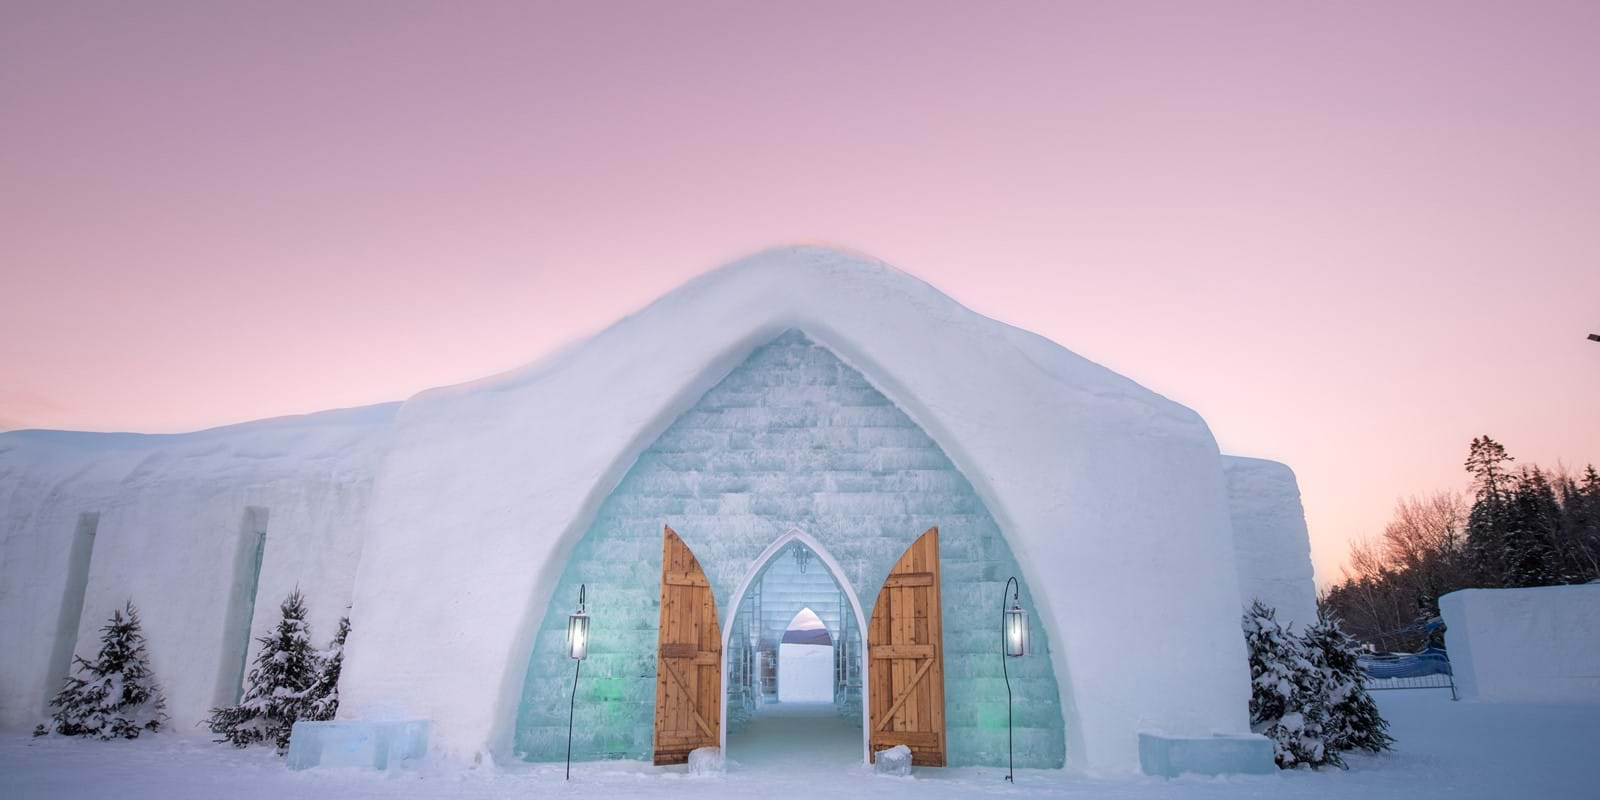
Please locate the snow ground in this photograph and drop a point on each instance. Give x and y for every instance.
(1455, 750)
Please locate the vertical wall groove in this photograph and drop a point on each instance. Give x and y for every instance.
(66, 641)
(248, 553)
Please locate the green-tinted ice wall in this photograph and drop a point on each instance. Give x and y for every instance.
(792, 438)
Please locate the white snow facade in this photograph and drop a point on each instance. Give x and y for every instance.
(801, 394)
(1534, 645)
(1272, 550)
(175, 523)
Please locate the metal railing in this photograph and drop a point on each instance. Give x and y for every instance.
(1420, 682)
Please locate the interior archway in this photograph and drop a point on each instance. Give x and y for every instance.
(794, 675)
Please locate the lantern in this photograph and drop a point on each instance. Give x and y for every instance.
(1013, 644)
(1016, 631)
(577, 649)
(578, 630)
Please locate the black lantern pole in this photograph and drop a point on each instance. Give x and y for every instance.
(577, 650)
(1013, 644)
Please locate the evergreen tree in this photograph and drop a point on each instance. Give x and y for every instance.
(1287, 692)
(1487, 522)
(285, 671)
(1531, 532)
(1353, 721)
(115, 696)
(1580, 527)
(323, 700)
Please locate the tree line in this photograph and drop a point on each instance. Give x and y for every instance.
(1521, 527)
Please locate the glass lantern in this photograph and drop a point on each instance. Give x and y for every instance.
(578, 630)
(1016, 631)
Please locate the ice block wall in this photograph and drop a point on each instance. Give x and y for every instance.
(791, 438)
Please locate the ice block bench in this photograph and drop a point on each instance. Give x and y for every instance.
(357, 743)
(1221, 754)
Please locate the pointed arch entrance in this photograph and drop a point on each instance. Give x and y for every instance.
(791, 438)
(855, 661)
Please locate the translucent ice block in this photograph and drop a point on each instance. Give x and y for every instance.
(1171, 756)
(358, 743)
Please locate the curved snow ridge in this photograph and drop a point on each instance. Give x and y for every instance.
(843, 297)
(130, 458)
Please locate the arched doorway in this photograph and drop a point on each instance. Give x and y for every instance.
(795, 591)
(791, 440)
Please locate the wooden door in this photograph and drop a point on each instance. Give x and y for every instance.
(905, 647)
(689, 658)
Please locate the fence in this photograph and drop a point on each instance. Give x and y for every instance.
(1429, 669)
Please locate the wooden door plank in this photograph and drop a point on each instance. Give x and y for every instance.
(693, 711)
(906, 692)
(935, 622)
(909, 579)
(905, 656)
(688, 658)
(918, 651)
(679, 578)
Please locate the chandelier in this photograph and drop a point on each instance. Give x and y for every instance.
(802, 557)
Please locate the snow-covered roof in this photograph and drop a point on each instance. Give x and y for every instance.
(71, 459)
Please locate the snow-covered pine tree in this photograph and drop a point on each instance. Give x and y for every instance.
(323, 700)
(1532, 521)
(1353, 721)
(284, 672)
(115, 696)
(1286, 692)
(1491, 506)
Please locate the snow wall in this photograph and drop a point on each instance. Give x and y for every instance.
(1272, 549)
(1539, 645)
(791, 439)
(1111, 499)
(172, 522)
(807, 671)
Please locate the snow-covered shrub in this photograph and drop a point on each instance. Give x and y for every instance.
(323, 700)
(115, 696)
(1288, 691)
(1353, 721)
(285, 673)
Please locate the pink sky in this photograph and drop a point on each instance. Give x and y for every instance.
(1352, 238)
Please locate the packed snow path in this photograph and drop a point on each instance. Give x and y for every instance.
(802, 737)
(1455, 750)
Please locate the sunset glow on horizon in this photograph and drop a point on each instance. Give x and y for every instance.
(1350, 238)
